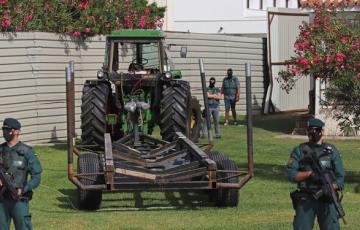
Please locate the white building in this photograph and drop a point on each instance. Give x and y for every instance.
(214, 16)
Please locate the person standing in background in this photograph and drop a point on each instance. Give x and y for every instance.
(231, 90)
(214, 96)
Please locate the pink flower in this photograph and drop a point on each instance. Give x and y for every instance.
(299, 46)
(101, 17)
(340, 57)
(28, 17)
(303, 61)
(6, 22)
(345, 39)
(3, 1)
(87, 30)
(84, 4)
(358, 75)
(107, 25)
(76, 33)
(142, 21)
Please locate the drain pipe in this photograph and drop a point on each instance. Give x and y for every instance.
(206, 105)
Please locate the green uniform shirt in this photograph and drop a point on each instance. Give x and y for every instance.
(20, 161)
(229, 86)
(332, 162)
(213, 103)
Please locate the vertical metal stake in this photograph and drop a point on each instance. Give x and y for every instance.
(206, 105)
(249, 119)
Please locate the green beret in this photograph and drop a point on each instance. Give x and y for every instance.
(12, 123)
(314, 122)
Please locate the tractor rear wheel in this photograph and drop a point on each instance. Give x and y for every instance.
(179, 112)
(97, 102)
(194, 119)
(89, 163)
(227, 197)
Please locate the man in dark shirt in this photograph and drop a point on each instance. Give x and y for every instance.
(231, 90)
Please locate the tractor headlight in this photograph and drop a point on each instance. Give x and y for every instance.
(100, 74)
(168, 75)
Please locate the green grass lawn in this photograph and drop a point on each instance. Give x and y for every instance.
(264, 201)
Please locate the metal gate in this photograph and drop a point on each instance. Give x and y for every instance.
(283, 29)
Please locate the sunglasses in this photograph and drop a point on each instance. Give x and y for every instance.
(6, 128)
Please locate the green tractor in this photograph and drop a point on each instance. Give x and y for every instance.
(137, 67)
(137, 89)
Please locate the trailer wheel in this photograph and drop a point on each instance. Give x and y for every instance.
(227, 197)
(217, 156)
(96, 103)
(174, 110)
(89, 163)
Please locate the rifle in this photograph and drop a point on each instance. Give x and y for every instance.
(327, 179)
(7, 185)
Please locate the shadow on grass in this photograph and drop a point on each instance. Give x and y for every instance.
(275, 172)
(269, 171)
(140, 202)
(280, 123)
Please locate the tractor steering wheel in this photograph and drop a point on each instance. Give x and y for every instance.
(135, 66)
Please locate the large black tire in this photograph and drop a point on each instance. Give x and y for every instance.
(217, 156)
(227, 197)
(89, 199)
(194, 120)
(175, 112)
(97, 101)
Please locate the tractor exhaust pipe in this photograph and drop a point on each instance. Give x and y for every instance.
(206, 105)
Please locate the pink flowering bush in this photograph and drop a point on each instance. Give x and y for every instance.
(79, 18)
(328, 48)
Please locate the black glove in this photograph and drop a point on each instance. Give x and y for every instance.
(315, 177)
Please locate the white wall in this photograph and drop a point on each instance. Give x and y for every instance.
(208, 16)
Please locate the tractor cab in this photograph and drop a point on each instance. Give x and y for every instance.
(138, 53)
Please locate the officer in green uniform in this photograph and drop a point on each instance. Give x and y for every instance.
(19, 161)
(300, 171)
(231, 90)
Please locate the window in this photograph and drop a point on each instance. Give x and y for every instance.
(263, 4)
(254, 4)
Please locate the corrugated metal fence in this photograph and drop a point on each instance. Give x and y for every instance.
(32, 80)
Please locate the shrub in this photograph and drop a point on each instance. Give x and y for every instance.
(329, 49)
(78, 17)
